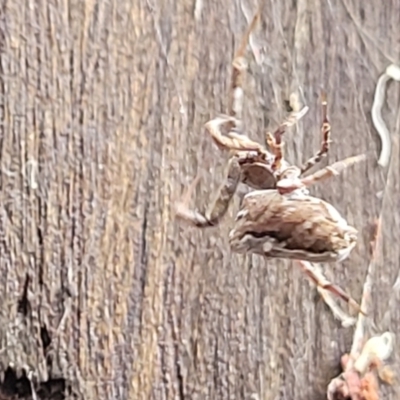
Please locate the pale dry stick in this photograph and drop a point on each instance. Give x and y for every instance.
(387, 206)
(391, 72)
(359, 332)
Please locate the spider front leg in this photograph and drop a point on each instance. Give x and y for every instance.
(232, 123)
(239, 68)
(274, 141)
(290, 183)
(332, 170)
(220, 205)
(276, 145)
(231, 140)
(326, 139)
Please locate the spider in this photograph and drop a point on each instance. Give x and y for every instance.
(278, 219)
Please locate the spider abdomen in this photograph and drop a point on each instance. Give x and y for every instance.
(294, 227)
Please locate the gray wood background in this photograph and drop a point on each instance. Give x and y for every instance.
(102, 110)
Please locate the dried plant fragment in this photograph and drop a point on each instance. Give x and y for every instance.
(366, 361)
(391, 72)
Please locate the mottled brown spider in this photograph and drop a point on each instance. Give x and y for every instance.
(278, 219)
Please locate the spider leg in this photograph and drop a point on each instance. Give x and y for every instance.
(326, 138)
(233, 140)
(275, 141)
(220, 205)
(332, 170)
(338, 313)
(233, 121)
(319, 279)
(276, 145)
(239, 66)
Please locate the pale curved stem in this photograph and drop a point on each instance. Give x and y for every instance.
(392, 72)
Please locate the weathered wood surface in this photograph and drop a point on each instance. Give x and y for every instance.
(102, 112)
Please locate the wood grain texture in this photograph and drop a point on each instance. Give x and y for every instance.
(102, 110)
